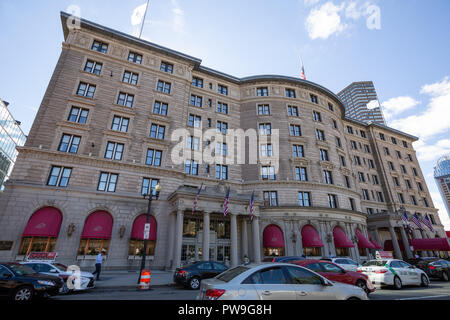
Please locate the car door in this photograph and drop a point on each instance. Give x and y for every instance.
(352, 265)
(400, 271)
(6, 281)
(274, 284)
(335, 273)
(414, 274)
(308, 285)
(205, 270)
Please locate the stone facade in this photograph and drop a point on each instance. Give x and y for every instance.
(227, 238)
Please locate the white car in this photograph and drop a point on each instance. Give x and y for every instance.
(57, 269)
(393, 272)
(344, 263)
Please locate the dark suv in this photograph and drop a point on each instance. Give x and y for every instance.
(22, 283)
(191, 275)
(433, 267)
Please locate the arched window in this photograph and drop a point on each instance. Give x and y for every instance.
(137, 236)
(41, 232)
(341, 242)
(311, 242)
(273, 241)
(96, 234)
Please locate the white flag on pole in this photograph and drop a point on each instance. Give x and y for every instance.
(138, 15)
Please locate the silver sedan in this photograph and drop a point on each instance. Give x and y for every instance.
(275, 281)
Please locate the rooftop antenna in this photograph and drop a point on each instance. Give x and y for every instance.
(143, 21)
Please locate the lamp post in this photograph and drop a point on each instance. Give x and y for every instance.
(150, 196)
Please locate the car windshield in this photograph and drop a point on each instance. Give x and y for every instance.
(375, 263)
(60, 266)
(21, 270)
(229, 275)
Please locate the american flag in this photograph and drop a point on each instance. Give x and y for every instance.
(303, 75)
(405, 217)
(225, 204)
(427, 222)
(252, 207)
(415, 219)
(196, 199)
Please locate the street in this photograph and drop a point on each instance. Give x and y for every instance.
(438, 290)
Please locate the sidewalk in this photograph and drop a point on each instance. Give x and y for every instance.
(127, 280)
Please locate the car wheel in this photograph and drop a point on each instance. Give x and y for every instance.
(23, 294)
(397, 283)
(194, 283)
(353, 299)
(363, 285)
(425, 282)
(445, 276)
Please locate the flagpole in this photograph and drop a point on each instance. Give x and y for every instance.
(143, 21)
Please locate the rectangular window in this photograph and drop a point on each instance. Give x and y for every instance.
(380, 197)
(403, 169)
(193, 143)
(419, 185)
(195, 121)
(338, 142)
(343, 162)
(263, 110)
(425, 202)
(135, 57)
(365, 193)
(93, 67)
(268, 173)
(332, 201)
(120, 124)
(160, 108)
(114, 151)
(157, 131)
(298, 151)
(59, 177)
(375, 180)
(191, 167)
(349, 129)
(221, 172)
(324, 155)
(304, 199)
(363, 134)
(330, 107)
(361, 177)
(320, 135)
(394, 141)
(405, 144)
(396, 182)
(222, 89)
(301, 174)
(125, 99)
(86, 90)
(166, 67)
(78, 115)
(164, 87)
(413, 200)
(386, 151)
(391, 166)
(366, 148)
(271, 198)
(149, 185)
(262, 92)
(265, 129)
(357, 160)
(221, 149)
(400, 198)
(317, 116)
(130, 77)
(222, 127)
(314, 98)
(410, 158)
(222, 107)
(197, 82)
(382, 137)
(415, 172)
(371, 164)
(295, 130)
(266, 150)
(99, 46)
(347, 182)
(353, 145)
(69, 143)
(153, 158)
(293, 111)
(290, 93)
(335, 126)
(196, 101)
(107, 182)
(327, 177)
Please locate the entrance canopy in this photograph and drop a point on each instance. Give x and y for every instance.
(363, 242)
(310, 238)
(273, 237)
(45, 222)
(436, 244)
(137, 232)
(375, 243)
(341, 240)
(98, 226)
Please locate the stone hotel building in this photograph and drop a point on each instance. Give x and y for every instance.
(102, 138)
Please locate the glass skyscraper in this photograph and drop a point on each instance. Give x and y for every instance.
(442, 177)
(11, 135)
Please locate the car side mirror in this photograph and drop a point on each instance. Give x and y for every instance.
(53, 271)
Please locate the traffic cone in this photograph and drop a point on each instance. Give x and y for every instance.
(146, 278)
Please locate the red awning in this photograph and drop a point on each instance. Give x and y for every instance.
(375, 243)
(363, 242)
(273, 237)
(389, 246)
(98, 226)
(310, 238)
(448, 234)
(341, 240)
(45, 222)
(437, 244)
(139, 225)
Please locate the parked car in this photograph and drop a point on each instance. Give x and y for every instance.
(333, 272)
(276, 281)
(21, 283)
(192, 275)
(393, 272)
(86, 280)
(434, 267)
(286, 259)
(346, 263)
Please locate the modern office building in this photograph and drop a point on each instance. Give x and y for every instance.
(119, 112)
(442, 177)
(356, 97)
(11, 136)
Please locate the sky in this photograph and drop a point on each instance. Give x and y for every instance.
(402, 46)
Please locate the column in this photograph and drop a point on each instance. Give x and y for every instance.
(355, 248)
(206, 241)
(331, 244)
(406, 243)
(244, 237)
(179, 239)
(397, 252)
(299, 245)
(323, 236)
(234, 245)
(256, 240)
(171, 242)
(425, 236)
(377, 237)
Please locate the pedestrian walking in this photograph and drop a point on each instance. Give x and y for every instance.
(98, 265)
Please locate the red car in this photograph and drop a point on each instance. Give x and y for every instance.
(334, 272)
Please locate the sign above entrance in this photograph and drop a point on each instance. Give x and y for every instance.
(384, 255)
(41, 256)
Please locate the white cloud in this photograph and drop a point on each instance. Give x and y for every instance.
(435, 119)
(310, 3)
(138, 15)
(439, 204)
(324, 21)
(178, 18)
(352, 11)
(427, 152)
(398, 105)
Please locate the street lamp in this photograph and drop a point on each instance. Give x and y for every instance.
(150, 196)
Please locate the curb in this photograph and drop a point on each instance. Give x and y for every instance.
(129, 288)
